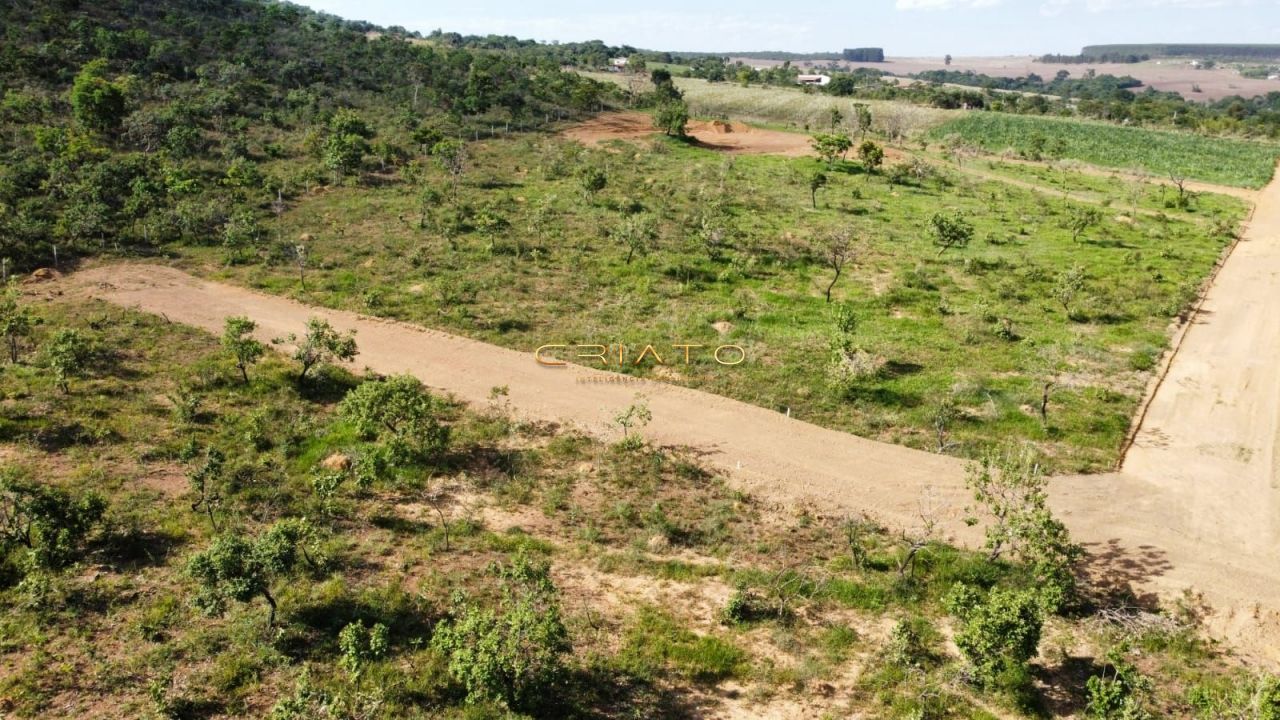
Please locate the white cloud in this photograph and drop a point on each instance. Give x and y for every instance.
(943, 4)
(1054, 7)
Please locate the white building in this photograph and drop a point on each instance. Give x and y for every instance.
(813, 79)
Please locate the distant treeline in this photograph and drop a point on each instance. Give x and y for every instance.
(863, 54)
(1110, 57)
(1090, 85)
(1224, 51)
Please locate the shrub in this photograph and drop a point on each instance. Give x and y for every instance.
(399, 413)
(46, 523)
(998, 633)
(511, 653)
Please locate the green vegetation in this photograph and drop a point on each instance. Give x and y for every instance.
(1225, 161)
(522, 572)
(745, 244)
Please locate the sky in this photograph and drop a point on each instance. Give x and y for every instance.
(901, 27)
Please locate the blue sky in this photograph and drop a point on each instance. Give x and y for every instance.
(902, 27)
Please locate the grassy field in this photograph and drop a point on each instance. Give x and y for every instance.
(677, 596)
(731, 251)
(1239, 163)
(791, 108)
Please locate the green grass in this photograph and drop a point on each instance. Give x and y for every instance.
(1226, 161)
(546, 269)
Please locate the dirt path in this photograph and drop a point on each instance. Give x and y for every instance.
(1190, 511)
(728, 137)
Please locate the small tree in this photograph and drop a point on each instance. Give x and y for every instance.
(239, 343)
(16, 322)
(399, 413)
(817, 181)
(638, 233)
(593, 180)
(321, 345)
(862, 114)
(238, 568)
(451, 155)
(636, 416)
(1011, 487)
(204, 482)
(950, 231)
(67, 354)
(1081, 219)
(831, 146)
(1117, 692)
(871, 155)
(998, 632)
(1068, 286)
(96, 102)
(512, 651)
(360, 645)
(45, 521)
(838, 251)
(671, 117)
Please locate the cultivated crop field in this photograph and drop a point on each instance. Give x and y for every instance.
(1226, 161)
(684, 245)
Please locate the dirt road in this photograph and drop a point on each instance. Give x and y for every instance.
(1193, 510)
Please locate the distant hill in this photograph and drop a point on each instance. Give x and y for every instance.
(1242, 51)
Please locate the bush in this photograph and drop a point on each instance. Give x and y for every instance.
(399, 413)
(998, 633)
(47, 524)
(511, 653)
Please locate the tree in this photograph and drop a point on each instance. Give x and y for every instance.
(1117, 692)
(16, 321)
(1081, 219)
(593, 180)
(817, 181)
(399, 413)
(950, 231)
(871, 154)
(235, 567)
(67, 354)
(637, 415)
(239, 343)
(830, 146)
(45, 521)
(862, 114)
(638, 233)
(835, 116)
(97, 103)
(998, 632)
(347, 142)
(451, 155)
(1180, 181)
(321, 345)
(671, 117)
(204, 484)
(838, 251)
(512, 651)
(1069, 285)
(947, 59)
(1011, 488)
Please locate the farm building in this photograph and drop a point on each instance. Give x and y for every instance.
(813, 79)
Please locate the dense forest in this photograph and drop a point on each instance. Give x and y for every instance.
(1219, 51)
(136, 123)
